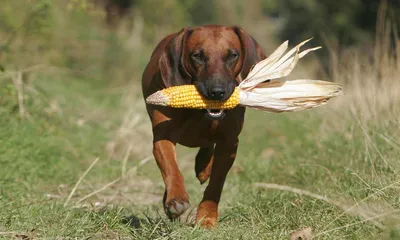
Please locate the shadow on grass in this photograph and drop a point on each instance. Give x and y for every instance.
(134, 221)
(148, 227)
(156, 226)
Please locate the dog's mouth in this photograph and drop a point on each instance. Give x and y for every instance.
(215, 114)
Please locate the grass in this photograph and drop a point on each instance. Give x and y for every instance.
(44, 156)
(77, 164)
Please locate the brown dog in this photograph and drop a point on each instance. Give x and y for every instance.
(214, 58)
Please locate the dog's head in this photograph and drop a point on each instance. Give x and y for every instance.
(211, 57)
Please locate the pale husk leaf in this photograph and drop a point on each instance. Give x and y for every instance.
(266, 63)
(290, 96)
(273, 67)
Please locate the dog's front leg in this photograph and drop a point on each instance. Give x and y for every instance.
(224, 156)
(176, 199)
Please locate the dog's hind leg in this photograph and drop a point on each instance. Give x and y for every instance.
(224, 156)
(203, 163)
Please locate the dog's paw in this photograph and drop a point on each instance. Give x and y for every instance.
(207, 214)
(176, 207)
(207, 222)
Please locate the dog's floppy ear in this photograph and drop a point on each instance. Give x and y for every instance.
(251, 51)
(172, 69)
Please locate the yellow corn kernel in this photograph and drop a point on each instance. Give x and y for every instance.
(187, 96)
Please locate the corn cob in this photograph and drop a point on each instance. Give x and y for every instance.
(255, 92)
(187, 96)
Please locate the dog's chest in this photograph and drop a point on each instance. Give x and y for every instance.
(199, 133)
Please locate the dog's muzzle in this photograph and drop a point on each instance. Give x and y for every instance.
(216, 92)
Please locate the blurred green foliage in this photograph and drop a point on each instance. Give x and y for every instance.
(345, 21)
(73, 34)
(200, 12)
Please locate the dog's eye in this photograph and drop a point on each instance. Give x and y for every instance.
(197, 56)
(233, 55)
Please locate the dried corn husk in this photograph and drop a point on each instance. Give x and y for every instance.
(262, 90)
(284, 96)
(289, 96)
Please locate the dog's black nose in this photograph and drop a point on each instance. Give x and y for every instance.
(217, 93)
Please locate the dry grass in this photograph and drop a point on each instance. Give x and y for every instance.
(371, 76)
(369, 110)
(133, 136)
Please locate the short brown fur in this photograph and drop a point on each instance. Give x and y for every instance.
(171, 65)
